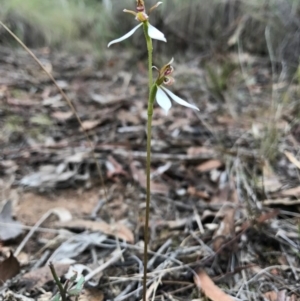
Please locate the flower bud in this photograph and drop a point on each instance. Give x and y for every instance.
(163, 74)
(140, 6)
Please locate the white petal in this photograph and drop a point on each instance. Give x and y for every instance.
(171, 62)
(127, 35)
(155, 34)
(163, 100)
(179, 100)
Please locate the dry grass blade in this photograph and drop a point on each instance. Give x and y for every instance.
(204, 283)
(69, 102)
(292, 159)
(118, 230)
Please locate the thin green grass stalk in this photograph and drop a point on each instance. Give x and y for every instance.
(152, 93)
(150, 51)
(63, 94)
(61, 289)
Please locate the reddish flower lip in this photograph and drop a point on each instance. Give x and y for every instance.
(163, 95)
(140, 8)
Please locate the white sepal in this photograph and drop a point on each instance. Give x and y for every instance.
(127, 35)
(155, 34)
(163, 100)
(179, 100)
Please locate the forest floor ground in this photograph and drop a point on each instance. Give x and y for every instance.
(225, 202)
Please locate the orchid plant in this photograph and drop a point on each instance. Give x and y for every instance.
(158, 91)
(142, 17)
(163, 95)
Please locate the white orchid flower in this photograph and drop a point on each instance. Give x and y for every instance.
(163, 95)
(142, 17)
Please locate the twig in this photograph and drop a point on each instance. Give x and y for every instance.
(41, 260)
(99, 205)
(30, 233)
(162, 156)
(104, 266)
(47, 230)
(159, 252)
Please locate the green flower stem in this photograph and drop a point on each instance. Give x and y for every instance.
(152, 95)
(150, 51)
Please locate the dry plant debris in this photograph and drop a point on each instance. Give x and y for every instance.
(118, 230)
(213, 292)
(9, 268)
(9, 228)
(225, 184)
(36, 279)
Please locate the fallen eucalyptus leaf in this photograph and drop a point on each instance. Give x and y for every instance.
(117, 229)
(213, 292)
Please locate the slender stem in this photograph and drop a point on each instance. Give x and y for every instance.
(58, 283)
(152, 93)
(150, 51)
(148, 189)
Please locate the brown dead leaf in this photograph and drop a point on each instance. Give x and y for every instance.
(209, 165)
(276, 296)
(282, 296)
(266, 216)
(222, 194)
(89, 124)
(9, 228)
(23, 258)
(140, 177)
(226, 191)
(260, 219)
(228, 120)
(226, 229)
(118, 230)
(282, 201)
(291, 192)
(199, 193)
(213, 292)
(292, 159)
(178, 123)
(9, 268)
(126, 116)
(271, 296)
(62, 116)
(269, 179)
(21, 102)
(199, 150)
(174, 224)
(8, 167)
(91, 295)
(39, 277)
(114, 168)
